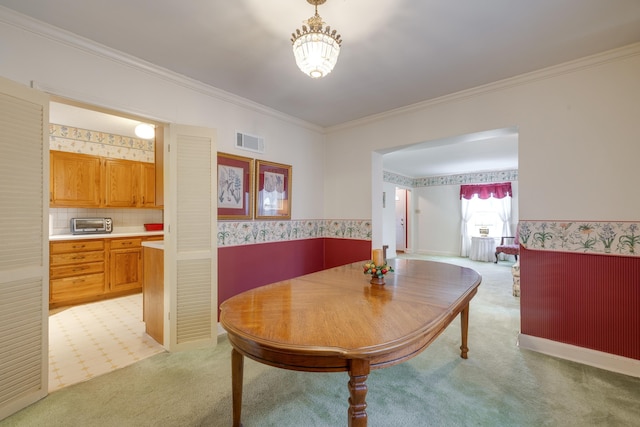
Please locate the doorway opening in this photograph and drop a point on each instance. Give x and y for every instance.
(402, 198)
(433, 171)
(92, 338)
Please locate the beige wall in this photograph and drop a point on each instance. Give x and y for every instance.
(578, 139)
(578, 127)
(108, 79)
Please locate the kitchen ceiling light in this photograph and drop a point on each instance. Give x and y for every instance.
(316, 49)
(145, 131)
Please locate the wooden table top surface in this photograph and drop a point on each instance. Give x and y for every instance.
(337, 312)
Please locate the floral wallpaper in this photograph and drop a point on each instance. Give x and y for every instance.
(467, 178)
(235, 233)
(76, 140)
(597, 237)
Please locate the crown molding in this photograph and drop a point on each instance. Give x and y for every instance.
(58, 35)
(519, 80)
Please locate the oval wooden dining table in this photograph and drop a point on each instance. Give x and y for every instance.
(335, 320)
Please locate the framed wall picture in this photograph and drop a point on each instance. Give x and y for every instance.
(235, 187)
(273, 190)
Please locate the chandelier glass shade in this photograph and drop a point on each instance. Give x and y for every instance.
(316, 48)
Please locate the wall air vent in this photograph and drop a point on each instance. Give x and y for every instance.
(249, 142)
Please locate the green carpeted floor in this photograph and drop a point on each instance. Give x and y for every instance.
(499, 385)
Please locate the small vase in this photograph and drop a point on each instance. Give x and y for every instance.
(375, 280)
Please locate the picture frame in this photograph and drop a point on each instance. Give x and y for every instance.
(272, 190)
(235, 187)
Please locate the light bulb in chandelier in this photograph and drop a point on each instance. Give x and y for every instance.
(316, 48)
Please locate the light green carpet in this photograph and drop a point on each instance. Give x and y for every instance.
(499, 385)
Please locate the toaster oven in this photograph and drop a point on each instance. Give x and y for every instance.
(91, 225)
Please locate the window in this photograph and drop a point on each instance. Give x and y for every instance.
(485, 214)
(486, 206)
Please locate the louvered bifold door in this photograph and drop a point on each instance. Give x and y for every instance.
(190, 245)
(24, 296)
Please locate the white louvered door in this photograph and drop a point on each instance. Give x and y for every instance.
(190, 238)
(24, 254)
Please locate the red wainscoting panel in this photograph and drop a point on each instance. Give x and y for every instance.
(345, 251)
(590, 301)
(245, 267)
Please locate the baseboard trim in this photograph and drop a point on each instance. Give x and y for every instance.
(436, 253)
(586, 356)
(221, 330)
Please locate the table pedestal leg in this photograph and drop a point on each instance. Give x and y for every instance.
(464, 323)
(237, 369)
(358, 373)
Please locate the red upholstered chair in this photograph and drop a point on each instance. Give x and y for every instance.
(509, 246)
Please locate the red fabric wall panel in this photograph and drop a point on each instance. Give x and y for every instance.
(345, 251)
(591, 301)
(241, 268)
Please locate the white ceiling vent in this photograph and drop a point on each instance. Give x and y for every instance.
(249, 142)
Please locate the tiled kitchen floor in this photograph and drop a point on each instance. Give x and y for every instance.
(92, 339)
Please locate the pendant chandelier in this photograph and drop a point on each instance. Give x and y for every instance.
(315, 48)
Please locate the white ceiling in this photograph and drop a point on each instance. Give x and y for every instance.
(394, 52)
(495, 150)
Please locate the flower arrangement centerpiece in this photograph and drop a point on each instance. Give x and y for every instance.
(377, 272)
(377, 268)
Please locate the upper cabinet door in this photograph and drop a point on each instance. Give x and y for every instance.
(121, 183)
(74, 180)
(86, 181)
(147, 185)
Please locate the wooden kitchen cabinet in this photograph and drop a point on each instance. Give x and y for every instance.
(153, 293)
(82, 180)
(147, 190)
(76, 271)
(129, 184)
(86, 270)
(74, 180)
(121, 183)
(125, 264)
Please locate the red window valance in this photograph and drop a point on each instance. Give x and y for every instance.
(484, 191)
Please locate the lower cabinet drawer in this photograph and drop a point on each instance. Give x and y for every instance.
(77, 287)
(77, 257)
(125, 243)
(76, 246)
(76, 270)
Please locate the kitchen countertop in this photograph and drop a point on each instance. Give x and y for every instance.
(154, 244)
(56, 237)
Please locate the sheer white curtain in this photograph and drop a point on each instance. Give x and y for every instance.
(503, 208)
(467, 213)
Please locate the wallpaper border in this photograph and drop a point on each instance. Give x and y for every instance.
(85, 141)
(236, 233)
(593, 237)
(466, 178)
